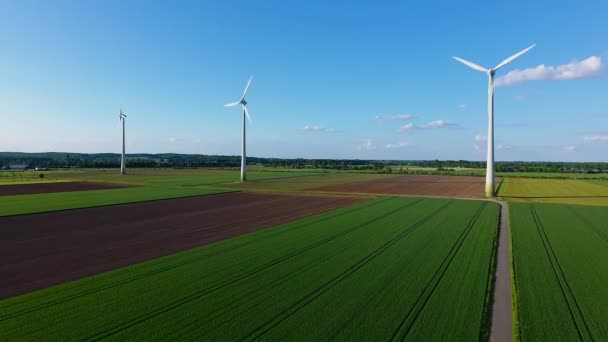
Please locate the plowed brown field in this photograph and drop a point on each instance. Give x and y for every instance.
(443, 186)
(42, 188)
(41, 250)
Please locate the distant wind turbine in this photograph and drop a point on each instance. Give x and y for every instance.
(491, 72)
(243, 104)
(123, 169)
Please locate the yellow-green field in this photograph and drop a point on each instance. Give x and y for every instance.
(562, 191)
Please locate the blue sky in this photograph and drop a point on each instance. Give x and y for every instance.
(331, 80)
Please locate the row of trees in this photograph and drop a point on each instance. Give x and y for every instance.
(110, 160)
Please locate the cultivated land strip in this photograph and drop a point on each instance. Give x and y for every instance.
(282, 316)
(410, 318)
(47, 249)
(241, 277)
(575, 312)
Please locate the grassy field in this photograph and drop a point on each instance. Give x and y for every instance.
(560, 271)
(153, 185)
(583, 192)
(379, 270)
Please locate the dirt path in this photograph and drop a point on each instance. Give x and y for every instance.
(502, 321)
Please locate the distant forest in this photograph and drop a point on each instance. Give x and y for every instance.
(112, 160)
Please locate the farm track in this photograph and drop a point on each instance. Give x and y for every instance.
(410, 319)
(182, 263)
(260, 331)
(42, 250)
(575, 312)
(45, 188)
(246, 275)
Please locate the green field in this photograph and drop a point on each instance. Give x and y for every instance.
(561, 273)
(564, 191)
(152, 185)
(377, 270)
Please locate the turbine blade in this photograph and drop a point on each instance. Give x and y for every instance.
(512, 58)
(247, 87)
(232, 104)
(471, 65)
(247, 114)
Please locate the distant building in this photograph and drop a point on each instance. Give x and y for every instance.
(598, 170)
(41, 168)
(18, 167)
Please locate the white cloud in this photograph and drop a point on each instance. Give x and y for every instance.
(596, 138)
(407, 127)
(398, 144)
(462, 107)
(477, 148)
(317, 128)
(172, 140)
(429, 125)
(368, 145)
(438, 124)
(397, 117)
(589, 67)
(520, 97)
(569, 148)
(481, 137)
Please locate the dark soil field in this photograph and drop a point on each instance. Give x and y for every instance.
(444, 186)
(41, 188)
(42, 250)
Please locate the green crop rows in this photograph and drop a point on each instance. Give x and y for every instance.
(380, 270)
(561, 273)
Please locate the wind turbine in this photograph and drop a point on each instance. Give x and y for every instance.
(123, 169)
(491, 72)
(243, 104)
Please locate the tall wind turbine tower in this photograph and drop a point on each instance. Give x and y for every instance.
(123, 169)
(243, 104)
(491, 72)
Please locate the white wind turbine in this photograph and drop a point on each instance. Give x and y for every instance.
(243, 104)
(491, 72)
(123, 169)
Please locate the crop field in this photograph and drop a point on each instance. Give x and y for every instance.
(151, 185)
(307, 182)
(583, 192)
(559, 257)
(377, 270)
(51, 248)
(448, 186)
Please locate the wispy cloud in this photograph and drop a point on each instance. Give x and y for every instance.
(398, 144)
(318, 128)
(172, 140)
(462, 107)
(436, 124)
(589, 67)
(477, 147)
(520, 97)
(396, 117)
(368, 145)
(596, 138)
(481, 137)
(569, 148)
(406, 128)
